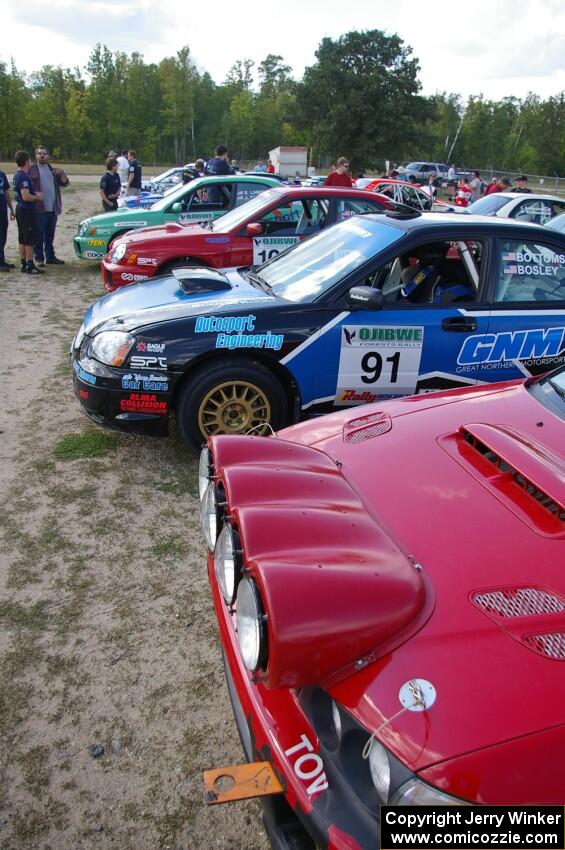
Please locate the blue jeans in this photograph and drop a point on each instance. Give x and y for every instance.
(46, 223)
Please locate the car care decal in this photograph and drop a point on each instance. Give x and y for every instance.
(146, 261)
(382, 360)
(156, 383)
(92, 255)
(308, 766)
(224, 326)
(84, 376)
(152, 347)
(267, 247)
(143, 403)
(139, 362)
(130, 223)
(132, 278)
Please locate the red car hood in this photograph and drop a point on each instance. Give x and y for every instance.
(475, 532)
(163, 231)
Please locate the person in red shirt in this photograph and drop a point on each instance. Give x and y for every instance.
(270, 168)
(339, 177)
(501, 185)
(464, 194)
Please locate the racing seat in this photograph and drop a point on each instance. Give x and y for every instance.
(420, 280)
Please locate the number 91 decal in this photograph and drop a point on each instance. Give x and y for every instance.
(378, 361)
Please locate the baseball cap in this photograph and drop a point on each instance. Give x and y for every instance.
(522, 177)
(505, 180)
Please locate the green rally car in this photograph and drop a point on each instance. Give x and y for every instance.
(206, 197)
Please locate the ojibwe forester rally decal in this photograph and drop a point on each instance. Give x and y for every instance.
(378, 361)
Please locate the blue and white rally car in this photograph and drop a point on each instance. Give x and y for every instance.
(376, 307)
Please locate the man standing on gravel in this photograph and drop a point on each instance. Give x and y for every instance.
(26, 199)
(134, 175)
(47, 181)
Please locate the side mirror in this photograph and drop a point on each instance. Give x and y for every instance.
(176, 208)
(254, 229)
(365, 298)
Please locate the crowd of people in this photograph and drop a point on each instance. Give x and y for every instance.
(37, 193)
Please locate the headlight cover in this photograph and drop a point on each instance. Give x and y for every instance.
(251, 628)
(119, 252)
(209, 515)
(112, 347)
(418, 793)
(204, 471)
(228, 563)
(83, 227)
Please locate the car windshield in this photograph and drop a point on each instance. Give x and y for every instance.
(557, 223)
(312, 267)
(414, 165)
(550, 391)
(487, 205)
(254, 207)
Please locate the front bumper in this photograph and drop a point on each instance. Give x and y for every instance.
(271, 723)
(116, 275)
(86, 251)
(143, 413)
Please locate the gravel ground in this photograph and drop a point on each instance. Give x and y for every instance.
(107, 632)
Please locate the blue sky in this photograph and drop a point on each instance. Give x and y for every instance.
(497, 47)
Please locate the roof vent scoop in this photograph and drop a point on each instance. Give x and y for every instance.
(200, 281)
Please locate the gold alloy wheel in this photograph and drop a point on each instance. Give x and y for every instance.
(234, 408)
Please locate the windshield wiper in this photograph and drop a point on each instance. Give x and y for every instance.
(258, 280)
(559, 390)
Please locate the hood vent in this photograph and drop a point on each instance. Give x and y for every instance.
(201, 281)
(522, 471)
(550, 645)
(519, 602)
(365, 427)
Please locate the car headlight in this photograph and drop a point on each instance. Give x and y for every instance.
(204, 471)
(209, 515)
(417, 793)
(83, 227)
(228, 562)
(112, 347)
(336, 719)
(119, 253)
(379, 766)
(251, 628)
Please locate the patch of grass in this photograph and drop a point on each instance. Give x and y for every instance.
(168, 547)
(16, 615)
(36, 771)
(87, 444)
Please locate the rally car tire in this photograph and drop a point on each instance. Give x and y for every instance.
(227, 397)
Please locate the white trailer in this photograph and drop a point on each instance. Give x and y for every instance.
(288, 160)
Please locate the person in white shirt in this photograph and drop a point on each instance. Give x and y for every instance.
(123, 166)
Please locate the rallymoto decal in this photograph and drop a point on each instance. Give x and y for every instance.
(156, 383)
(267, 247)
(528, 345)
(84, 376)
(224, 326)
(143, 403)
(378, 361)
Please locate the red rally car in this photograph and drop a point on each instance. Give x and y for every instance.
(390, 593)
(248, 235)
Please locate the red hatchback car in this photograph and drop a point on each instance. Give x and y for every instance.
(390, 593)
(249, 235)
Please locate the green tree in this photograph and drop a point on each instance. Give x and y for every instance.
(361, 98)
